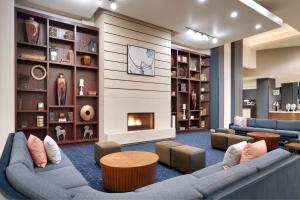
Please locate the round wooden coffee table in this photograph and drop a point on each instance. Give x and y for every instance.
(272, 139)
(129, 170)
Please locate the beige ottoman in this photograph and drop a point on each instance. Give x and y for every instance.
(234, 139)
(219, 140)
(163, 150)
(225, 130)
(187, 159)
(104, 148)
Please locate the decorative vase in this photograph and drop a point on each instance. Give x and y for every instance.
(32, 30)
(86, 60)
(87, 113)
(61, 89)
(194, 99)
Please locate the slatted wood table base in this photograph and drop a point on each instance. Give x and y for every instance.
(128, 171)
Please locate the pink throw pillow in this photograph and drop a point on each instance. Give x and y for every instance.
(253, 151)
(37, 151)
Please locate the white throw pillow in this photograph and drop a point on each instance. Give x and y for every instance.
(52, 149)
(240, 121)
(233, 155)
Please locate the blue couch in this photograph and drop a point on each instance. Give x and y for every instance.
(275, 175)
(288, 130)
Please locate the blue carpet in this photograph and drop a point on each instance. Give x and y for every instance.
(83, 157)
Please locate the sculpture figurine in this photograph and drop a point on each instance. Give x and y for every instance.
(194, 99)
(87, 132)
(61, 89)
(60, 132)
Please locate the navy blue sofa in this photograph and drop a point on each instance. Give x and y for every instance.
(288, 130)
(275, 175)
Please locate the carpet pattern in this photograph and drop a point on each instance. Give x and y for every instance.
(83, 157)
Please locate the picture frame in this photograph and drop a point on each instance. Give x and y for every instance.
(140, 61)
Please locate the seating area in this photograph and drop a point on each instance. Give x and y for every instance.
(149, 100)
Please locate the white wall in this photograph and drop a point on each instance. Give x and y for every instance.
(7, 89)
(124, 93)
(227, 85)
(249, 57)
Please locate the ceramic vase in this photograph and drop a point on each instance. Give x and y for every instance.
(86, 60)
(32, 30)
(61, 89)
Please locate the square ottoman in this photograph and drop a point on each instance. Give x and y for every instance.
(187, 159)
(234, 139)
(163, 150)
(219, 140)
(104, 148)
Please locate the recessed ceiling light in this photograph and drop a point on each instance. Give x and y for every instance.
(201, 1)
(113, 5)
(234, 14)
(190, 32)
(214, 40)
(100, 2)
(258, 26)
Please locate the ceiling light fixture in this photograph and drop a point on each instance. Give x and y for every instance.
(100, 2)
(234, 14)
(200, 35)
(201, 1)
(258, 26)
(113, 5)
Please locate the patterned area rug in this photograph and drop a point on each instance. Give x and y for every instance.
(83, 157)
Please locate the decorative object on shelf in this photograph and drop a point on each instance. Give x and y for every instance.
(182, 87)
(203, 111)
(173, 93)
(181, 128)
(62, 117)
(69, 35)
(52, 117)
(184, 59)
(172, 61)
(92, 93)
(32, 56)
(70, 116)
(41, 68)
(24, 124)
(194, 99)
(293, 107)
(23, 81)
(173, 121)
(141, 61)
(87, 132)
(192, 117)
(60, 132)
(53, 54)
(52, 31)
(40, 121)
(87, 113)
(61, 89)
(20, 103)
(184, 111)
(194, 76)
(193, 65)
(173, 73)
(86, 60)
(202, 97)
(203, 77)
(32, 30)
(41, 106)
(71, 57)
(288, 107)
(202, 124)
(202, 89)
(81, 85)
(93, 46)
(182, 72)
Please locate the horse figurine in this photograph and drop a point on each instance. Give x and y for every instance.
(59, 132)
(87, 131)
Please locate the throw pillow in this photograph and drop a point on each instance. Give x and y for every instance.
(52, 149)
(253, 151)
(240, 121)
(37, 151)
(233, 154)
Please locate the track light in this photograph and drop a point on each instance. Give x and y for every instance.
(100, 2)
(113, 5)
(197, 35)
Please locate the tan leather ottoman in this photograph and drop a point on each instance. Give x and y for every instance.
(219, 140)
(234, 139)
(225, 130)
(187, 159)
(104, 148)
(163, 150)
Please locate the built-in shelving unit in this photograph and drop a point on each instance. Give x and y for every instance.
(190, 77)
(30, 92)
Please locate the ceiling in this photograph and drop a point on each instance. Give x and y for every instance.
(211, 17)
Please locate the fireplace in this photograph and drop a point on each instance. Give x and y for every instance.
(140, 121)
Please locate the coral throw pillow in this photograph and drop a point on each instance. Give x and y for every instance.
(52, 149)
(253, 151)
(37, 151)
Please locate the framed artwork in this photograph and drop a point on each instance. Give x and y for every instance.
(141, 61)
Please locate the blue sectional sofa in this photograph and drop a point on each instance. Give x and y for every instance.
(275, 175)
(288, 130)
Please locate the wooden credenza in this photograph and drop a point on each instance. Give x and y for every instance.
(283, 115)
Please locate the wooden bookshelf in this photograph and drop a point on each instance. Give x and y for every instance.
(33, 91)
(190, 73)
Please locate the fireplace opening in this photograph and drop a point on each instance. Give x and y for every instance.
(140, 121)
